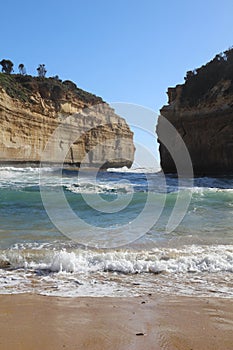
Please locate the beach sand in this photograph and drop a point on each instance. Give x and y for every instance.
(31, 322)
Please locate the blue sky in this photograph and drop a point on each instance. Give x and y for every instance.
(125, 50)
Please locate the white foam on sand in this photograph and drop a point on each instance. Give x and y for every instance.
(85, 272)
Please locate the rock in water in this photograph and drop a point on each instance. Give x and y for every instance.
(4, 264)
(32, 108)
(202, 112)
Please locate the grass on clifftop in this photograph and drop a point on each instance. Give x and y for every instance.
(13, 88)
(21, 87)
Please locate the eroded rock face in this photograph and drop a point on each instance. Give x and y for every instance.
(28, 119)
(204, 120)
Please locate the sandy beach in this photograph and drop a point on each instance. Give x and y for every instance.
(29, 322)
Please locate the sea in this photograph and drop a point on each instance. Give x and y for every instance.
(121, 236)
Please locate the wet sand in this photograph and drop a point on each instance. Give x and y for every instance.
(31, 322)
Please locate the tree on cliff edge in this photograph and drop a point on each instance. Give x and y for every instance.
(7, 66)
(22, 69)
(41, 70)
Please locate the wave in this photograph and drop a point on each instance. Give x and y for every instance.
(134, 170)
(209, 259)
(205, 190)
(43, 269)
(105, 188)
(122, 180)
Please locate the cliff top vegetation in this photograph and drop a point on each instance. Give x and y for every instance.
(21, 86)
(200, 82)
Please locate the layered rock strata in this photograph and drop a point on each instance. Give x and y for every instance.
(32, 109)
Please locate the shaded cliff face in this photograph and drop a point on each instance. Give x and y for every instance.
(31, 109)
(201, 110)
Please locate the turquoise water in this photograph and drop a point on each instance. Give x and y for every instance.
(196, 257)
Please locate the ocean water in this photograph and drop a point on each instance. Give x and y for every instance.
(194, 258)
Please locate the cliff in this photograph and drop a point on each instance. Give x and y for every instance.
(201, 110)
(32, 108)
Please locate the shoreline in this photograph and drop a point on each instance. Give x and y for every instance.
(31, 322)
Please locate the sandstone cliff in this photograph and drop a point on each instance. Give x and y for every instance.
(32, 108)
(202, 112)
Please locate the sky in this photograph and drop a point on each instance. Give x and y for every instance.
(127, 51)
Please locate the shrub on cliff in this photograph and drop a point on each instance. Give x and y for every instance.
(70, 84)
(199, 83)
(13, 88)
(23, 86)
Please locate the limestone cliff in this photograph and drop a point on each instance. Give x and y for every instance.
(32, 108)
(202, 112)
